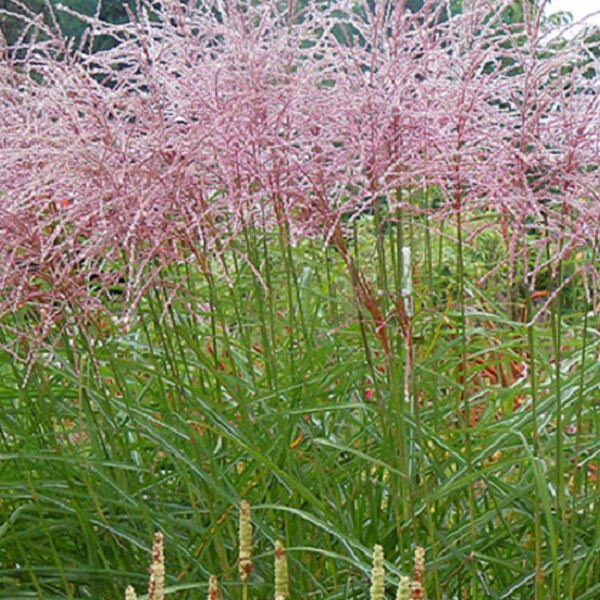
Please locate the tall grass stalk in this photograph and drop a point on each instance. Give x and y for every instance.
(533, 383)
(464, 405)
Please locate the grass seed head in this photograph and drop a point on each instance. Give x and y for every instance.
(245, 563)
(214, 593)
(156, 587)
(403, 589)
(418, 589)
(130, 593)
(282, 577)
(378, 575)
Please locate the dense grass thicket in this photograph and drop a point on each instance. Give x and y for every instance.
(338, 260)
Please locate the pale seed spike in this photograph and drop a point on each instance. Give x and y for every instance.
(130, 593)
(245, 563)
(403, 588)
(377, 575)
(418, 588)
(156, 587)
(214, 593)
(282, 583)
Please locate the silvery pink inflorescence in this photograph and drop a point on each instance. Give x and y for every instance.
(214, 122)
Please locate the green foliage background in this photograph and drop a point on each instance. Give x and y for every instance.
(114, 11)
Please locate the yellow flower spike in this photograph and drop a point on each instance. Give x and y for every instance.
(245, 563)
(282, 577)
(377, 591)
(130, 593)
(156, 587)
(403, 589)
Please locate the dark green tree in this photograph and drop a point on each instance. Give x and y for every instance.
(112, 11)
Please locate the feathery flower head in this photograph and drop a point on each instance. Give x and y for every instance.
(114, 185)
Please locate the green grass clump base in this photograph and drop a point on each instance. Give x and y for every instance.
(475, 437)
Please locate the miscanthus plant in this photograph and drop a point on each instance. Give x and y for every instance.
(205, 122)
(338, 258)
